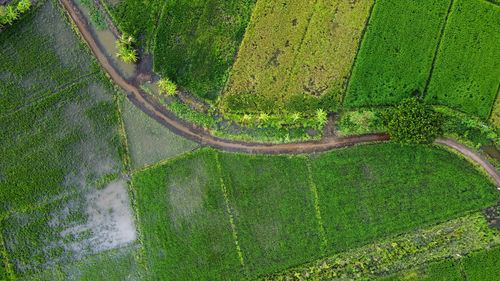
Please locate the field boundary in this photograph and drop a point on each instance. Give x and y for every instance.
(314, 190)
(424, 93)
(155, 30)
(6, 263)
(361, 39)
(494, 101)
(53, 92)
(123, 132)
(230, 213)
(164, 161)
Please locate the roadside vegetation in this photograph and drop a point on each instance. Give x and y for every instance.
(13, 11)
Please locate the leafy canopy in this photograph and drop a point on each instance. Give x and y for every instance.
(413, 121)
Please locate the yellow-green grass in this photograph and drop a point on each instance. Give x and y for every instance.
(268, 50)
(326, 55)
(467, 69)
(396, 54)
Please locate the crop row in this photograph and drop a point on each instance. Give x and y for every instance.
(364, 193)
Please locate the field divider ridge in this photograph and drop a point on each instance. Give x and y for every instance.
(362, 37)
(230, 213)
(494, 102)
(151, 42)
(6, 263)
(437, 48)
(123, 133)
(314, 190)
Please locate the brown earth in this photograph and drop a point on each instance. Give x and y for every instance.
(151, 106)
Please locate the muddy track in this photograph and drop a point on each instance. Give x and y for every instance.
(151, 106)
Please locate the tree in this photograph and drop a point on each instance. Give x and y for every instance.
(413, 121)
(320, 117)
(23, 6)
(167, 87)
(125, 49)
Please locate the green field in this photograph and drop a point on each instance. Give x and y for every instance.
(363, 193)
(274, 210)
(184, 221)
(137, 18)
(483, 265)
(148, 141)
(466, 73)
(396, 53)
(445, 270)
(196, 42)
(373, 191)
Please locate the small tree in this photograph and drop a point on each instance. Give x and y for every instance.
(167, 87)
(125, 49)
(320, 117)
(413, 121)
(11, 15)
(23, 6)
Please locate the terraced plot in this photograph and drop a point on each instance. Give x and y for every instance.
(466, 73)
(307, 55)
(363, 194)
(397, 51)
(197, 40)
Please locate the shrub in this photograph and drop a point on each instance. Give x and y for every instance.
(167, 87)
(413, 121)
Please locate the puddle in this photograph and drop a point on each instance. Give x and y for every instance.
(108, 41)
(109, 221)
(492, 151)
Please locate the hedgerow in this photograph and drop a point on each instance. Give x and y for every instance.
(396, 54)
(466, 73)
(196, 42)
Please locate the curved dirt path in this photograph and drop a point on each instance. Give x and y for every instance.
(153, 108)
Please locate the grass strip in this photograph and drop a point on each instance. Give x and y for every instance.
(314, 190)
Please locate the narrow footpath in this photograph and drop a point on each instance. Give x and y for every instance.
(151, 106)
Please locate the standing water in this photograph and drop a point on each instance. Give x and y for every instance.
(107, 41)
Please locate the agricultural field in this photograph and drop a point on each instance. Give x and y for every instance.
(466, 73)
(483, 265)
(307, 56)
(446, 270)
(270, 227)
(397, 51)
(196, 42)
(148, 141)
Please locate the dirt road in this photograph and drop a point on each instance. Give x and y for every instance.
(151, 106)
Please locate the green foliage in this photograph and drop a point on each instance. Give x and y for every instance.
(467, 69)
(150, 142)
(371, 191)
(138, 18)
(397, 254)
(167, 87)
(126, 50)
(483, 265)
(23, 6)
(413, 121)
(445, 270)
(273, 209)
(96, 17)
(397, 51)
(185, 112)
(184, 221)
(196, 42)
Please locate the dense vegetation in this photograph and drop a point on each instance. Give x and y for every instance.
(138, 18)
(483, 265)
(196, 42)
(446, 270)
(276, 216)
(466, 74)
(413, 121)
(371, 191)
(396, 53)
